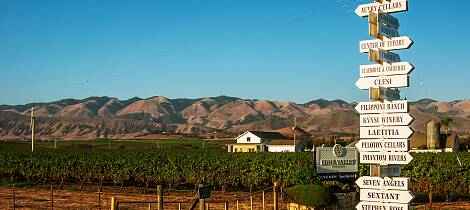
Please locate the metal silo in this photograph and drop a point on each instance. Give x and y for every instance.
(433, 129)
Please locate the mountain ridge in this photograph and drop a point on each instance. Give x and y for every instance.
(109, 117)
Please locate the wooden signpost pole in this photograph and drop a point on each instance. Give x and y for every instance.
(384, 130)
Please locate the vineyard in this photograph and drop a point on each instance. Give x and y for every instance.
(447, 173)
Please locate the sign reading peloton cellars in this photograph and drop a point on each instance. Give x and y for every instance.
(386, 183)
(384, 158)
(385, 119)
(393, 81)
(383, 145)
(389, 7)
(392, 132)
(386, 107)
(365, 205)
(396, 43)
(375, 70)
(387, 196)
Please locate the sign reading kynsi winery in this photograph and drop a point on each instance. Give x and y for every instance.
(393, 81)
(386, 196)
(396, 43)
(385, 158)
(385, 107)
(390, 7)
(374, 70)
(386, 183)
(383, 145)
(390, 119)
(393, 132)
(365, 205)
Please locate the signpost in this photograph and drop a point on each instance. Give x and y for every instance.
(396, 43)
(384, 130)
(385, 119)
(388, 7)
(381, 56)
(384, 158)
(393, 132)
(387, 196)
(393, 81)
(385, 107)
(375, 70)
(373, 182)
(363, 205)
(383, 18)
(383, 145)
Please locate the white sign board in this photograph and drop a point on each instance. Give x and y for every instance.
(385, 107)
(386, 69)
(383, 145)
(390, 7)
(391, 132)
(386, 183)
(396, 43)
(385, 158)
(390, 119)
(386, 196)
(393, 81)
(365, 205)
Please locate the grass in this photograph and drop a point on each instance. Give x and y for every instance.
(103, 144)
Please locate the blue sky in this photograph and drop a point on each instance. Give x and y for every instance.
(289, 50)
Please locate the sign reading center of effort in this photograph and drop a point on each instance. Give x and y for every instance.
(396, 43)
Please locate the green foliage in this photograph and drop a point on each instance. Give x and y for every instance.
(311, 195)
(167, 167)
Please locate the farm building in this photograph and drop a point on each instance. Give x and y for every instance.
(434, 141)
(259, 141)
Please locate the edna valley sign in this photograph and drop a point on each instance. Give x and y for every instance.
(336, 160)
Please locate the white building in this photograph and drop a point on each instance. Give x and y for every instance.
(258, 141)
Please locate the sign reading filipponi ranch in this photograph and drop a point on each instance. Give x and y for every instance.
(386, 107)
(337, 159)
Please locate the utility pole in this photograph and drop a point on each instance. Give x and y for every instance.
(293, 129)
(33, 120)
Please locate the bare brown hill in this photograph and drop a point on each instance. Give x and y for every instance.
(105, 117)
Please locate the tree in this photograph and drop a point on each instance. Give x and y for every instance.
(446, 122)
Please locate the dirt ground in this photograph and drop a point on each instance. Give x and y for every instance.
(71, 198)
(41, 198)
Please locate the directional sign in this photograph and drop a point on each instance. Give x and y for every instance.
(383, 145)
(386, 183)
(385, 158)
(386, 196)
(396, 43)
(384, 94)
(390, 7)
(381, 56)
(380, 30)
(384, 19)
(386, 69)
(385, 107)
(363, 205)
(385, 119)
(393, 132)
(383, 81)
